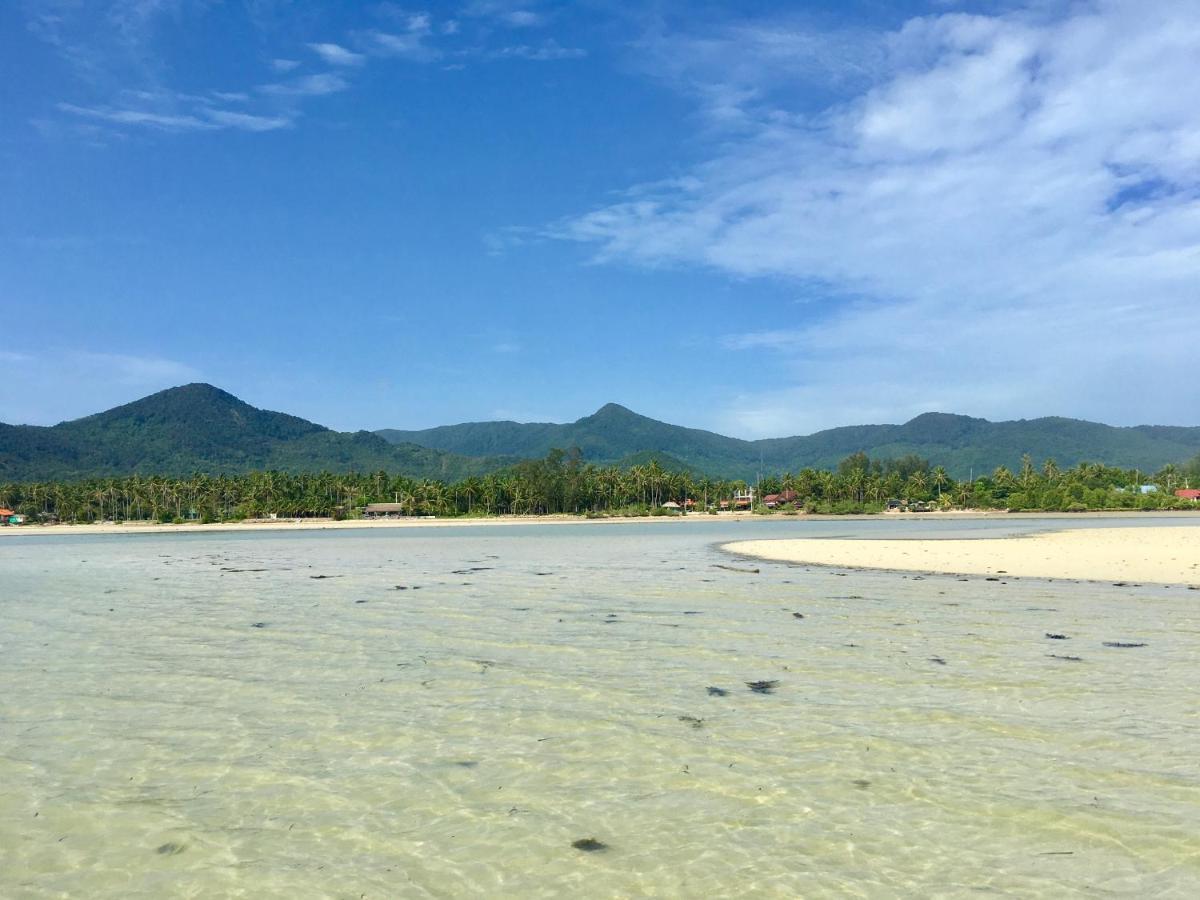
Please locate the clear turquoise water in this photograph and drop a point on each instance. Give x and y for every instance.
(174, 723)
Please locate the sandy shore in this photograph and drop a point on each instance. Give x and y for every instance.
(501, 521)
(1162, 554)
(347, 524)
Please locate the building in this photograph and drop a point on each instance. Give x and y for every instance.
(376, 510)
(1189, 494)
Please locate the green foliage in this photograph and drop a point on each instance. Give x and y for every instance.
(198, 428)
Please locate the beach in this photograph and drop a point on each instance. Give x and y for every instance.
(1163, 555)
(250, 526)
(535, 711)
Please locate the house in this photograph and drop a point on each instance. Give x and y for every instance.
(770, 501)
(671, 504)
(1189, 494)
(6, 516)
(375, 510)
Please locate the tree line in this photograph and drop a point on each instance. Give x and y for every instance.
(564, 483)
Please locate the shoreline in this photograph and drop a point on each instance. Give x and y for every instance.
(316, 524)
(1167, 554)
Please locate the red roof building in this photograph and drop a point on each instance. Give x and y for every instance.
(1187, 494)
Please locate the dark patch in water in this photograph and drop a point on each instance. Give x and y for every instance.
(1067, 658)
(169, 849)
(938, 660)
(861, 783)
(717, 692)
(693, 721)
(468, 571)
(319, 577)
(797, 615)
(1121, 644)
(762, 687)
(1056, 637)
(259, 625)
(735, 569)
(589, 845)
(467, 763)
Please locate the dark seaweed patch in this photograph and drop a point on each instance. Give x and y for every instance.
(1121, 644)
(1056, 637)
(169, 849)
(762, 687)
(1067, 658)
(692, 720)
(589, 845)
(797, 615)
(717, 692)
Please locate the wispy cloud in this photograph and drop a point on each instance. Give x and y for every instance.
(318, 85)
(547, 50)
(284, 65)
(337, 55)
(1013, 202)
(208, 119)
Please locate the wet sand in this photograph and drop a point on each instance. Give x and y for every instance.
(318, 524)
(1164, 555)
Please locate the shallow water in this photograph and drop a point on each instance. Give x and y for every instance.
(176, 722)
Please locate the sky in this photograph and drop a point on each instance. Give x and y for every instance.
(757, 218)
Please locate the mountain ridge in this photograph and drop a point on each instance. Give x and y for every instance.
(199, 427)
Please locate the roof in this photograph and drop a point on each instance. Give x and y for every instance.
(1186, 494)
(6, 512)
(384, 507)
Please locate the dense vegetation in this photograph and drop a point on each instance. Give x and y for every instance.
(199, 428)
(564, 483)
(964, 445)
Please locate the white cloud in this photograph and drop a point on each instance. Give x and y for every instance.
(166, 122)
(547, 50)
(317, 85)
(204, 119)
(284, 65)
(1013, 202)
(248, 122)
(337, 55)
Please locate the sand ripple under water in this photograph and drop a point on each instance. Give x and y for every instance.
(528, 713)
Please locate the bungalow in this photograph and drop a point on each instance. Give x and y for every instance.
(1189, 494)
(375, 510)
(770, 501)
(5, 515)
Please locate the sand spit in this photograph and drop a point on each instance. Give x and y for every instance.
(1161, 554)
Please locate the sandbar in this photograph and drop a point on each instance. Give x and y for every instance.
(1159, 554)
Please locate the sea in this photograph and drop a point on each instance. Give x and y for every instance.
(592, 710)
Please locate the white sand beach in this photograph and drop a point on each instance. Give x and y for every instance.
(1168, 554)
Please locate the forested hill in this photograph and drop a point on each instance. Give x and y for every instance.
(200, 428)
(960, 443)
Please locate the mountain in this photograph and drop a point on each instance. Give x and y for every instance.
(960, 443)
(200, 428)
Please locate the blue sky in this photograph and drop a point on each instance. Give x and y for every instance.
(757, 218)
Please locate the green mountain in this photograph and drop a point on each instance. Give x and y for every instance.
(200, 428)
(960, 443)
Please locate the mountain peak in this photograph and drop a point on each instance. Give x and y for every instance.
(614, 410)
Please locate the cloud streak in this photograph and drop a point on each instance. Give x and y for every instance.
(1012, 202)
